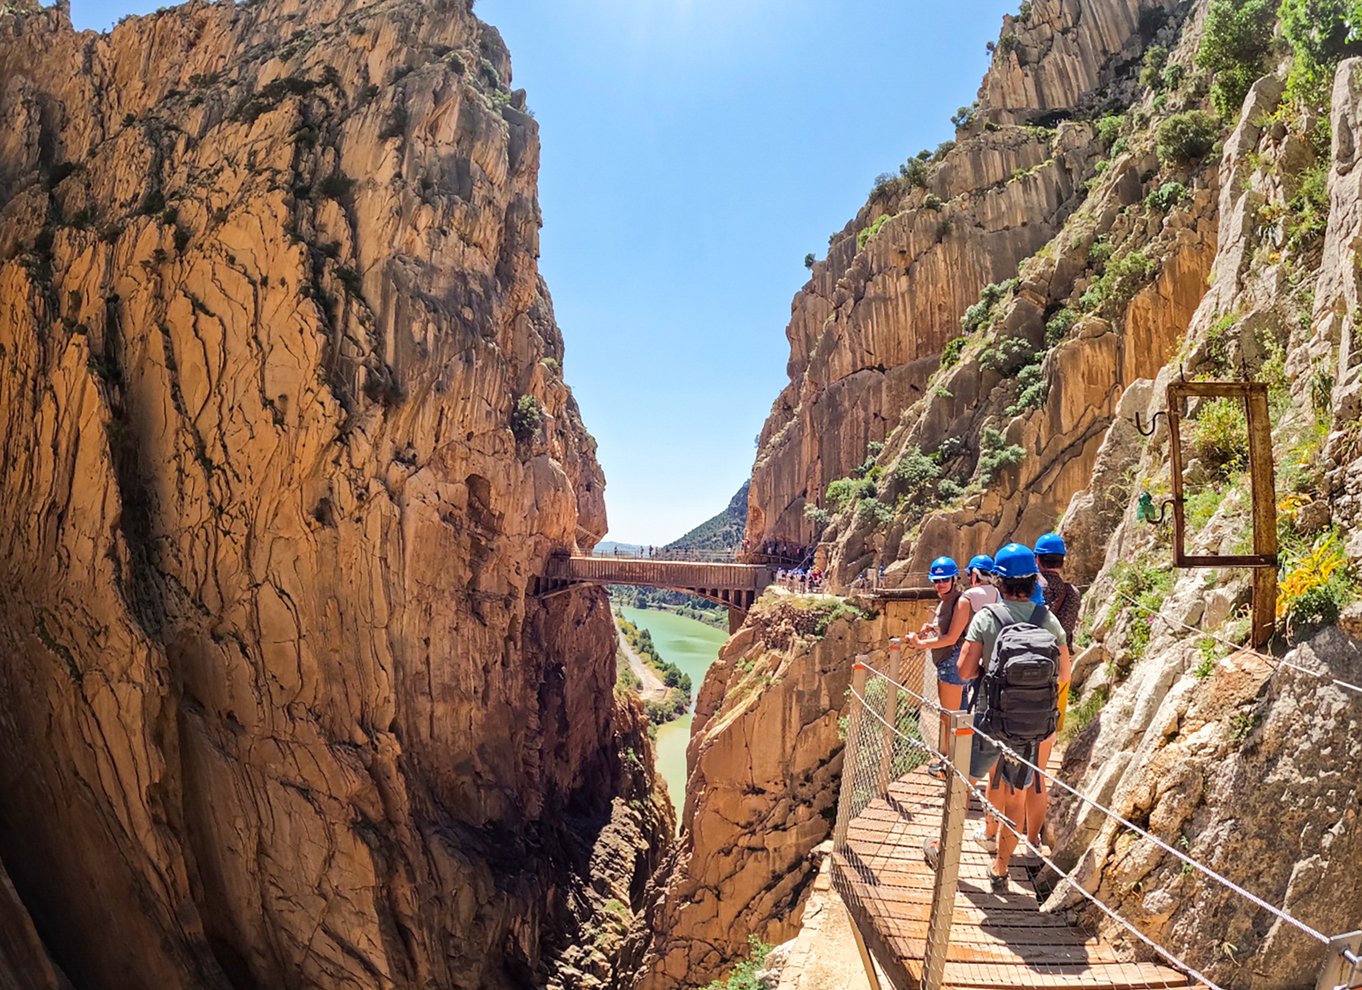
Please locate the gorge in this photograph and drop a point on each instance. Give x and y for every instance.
(288, 450)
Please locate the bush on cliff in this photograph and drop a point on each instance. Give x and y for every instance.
(1234, 49)
(526, 418)
(744, 975)
(1320, 33)
(1187, 137)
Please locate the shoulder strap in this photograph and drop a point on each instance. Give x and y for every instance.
(1002, 613)
(1038, 615)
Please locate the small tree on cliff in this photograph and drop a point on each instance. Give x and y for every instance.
(526, 418)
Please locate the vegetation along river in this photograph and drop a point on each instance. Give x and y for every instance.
(692, 646)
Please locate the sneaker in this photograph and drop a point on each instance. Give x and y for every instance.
(980, 835)
(998, 884)
(938, 769)
(931, 852)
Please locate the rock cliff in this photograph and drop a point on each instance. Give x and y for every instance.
(966, 367)
(285, 443)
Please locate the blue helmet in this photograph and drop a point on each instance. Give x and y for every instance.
(1051, 543)
(982, 563)
(1015, 561)
(943, 567)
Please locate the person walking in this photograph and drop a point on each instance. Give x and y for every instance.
(1026, 720)
(941, 637)
(1063, 600)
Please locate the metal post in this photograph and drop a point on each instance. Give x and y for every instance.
(1342, 963)
(851, 752)
(891, 712)
(948, 863)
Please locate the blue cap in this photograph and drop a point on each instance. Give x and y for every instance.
(1015, 561)
(943, 567)
(982, 563)
(1051, 543)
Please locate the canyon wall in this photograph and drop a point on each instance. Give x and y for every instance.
(954, 415)
(285, 444)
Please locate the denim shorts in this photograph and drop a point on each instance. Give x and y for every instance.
(947, 671)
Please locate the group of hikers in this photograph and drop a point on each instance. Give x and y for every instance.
(1000, 643)
(801, 580)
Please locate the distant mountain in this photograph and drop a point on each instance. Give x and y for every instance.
(723, 532)
(610, 546)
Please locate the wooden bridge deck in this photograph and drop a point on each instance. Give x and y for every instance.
(998, 941)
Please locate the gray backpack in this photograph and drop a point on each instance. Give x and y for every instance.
(1019, 692)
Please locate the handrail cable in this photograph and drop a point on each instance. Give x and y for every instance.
(1302, 926)
(1266, 906)
(1021, 837)
(1266, 657)
(1075, 885)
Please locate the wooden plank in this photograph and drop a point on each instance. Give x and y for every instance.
(1116, 976)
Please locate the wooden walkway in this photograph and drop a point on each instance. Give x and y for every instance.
(998, 941)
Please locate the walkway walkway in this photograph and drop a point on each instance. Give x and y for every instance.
(997, 940)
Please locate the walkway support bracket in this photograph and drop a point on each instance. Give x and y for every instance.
(1343, 965)
(959, 738)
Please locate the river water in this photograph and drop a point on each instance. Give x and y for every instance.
(692, 646)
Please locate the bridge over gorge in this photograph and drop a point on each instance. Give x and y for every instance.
(917, 926)
(715, 577)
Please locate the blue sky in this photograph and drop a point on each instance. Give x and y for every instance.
(693, 152)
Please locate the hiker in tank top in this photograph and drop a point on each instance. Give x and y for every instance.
(941, 638)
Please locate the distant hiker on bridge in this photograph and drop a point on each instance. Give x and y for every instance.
(1022, 653)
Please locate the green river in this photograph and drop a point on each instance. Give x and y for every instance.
(692, 646)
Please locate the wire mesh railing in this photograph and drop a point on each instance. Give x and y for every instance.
(895, 724)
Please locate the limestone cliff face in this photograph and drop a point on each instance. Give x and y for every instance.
(285, 443)
(867, 331)
(1146, 264)
(1241, 761)
(764, 760)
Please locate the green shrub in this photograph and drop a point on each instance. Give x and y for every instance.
(996, 455)
(526, 418)
(1209, 649)
(1109, 128)
(1201, 506)
(844, 490)
(1234, 49)
(1148, 586)
(1007, 355)
(1167, 196)
(1152, 66)
(1059, 325)
(869, 232)
(942, 150)
(914, 172)
(964, 117)
(1320, 33)
(871, 510)
(1123, 277)
(933, 202)
(1008, 43)
(981, 312)
(809, 260)
(1035, 389)
(1307, 216)
(1220, 435)
(950, 354)
(1100, 251)
(1186, 137)
(818, 516)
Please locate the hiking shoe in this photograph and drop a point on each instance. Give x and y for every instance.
(938, 769)
(997, 884)
(980, 835)
(931, 852)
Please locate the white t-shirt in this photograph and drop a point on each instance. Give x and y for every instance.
(980, 597)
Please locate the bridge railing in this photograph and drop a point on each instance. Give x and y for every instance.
(662, 573)
(700, 556)
(895, 724)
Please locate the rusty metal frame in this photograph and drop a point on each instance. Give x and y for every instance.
(1263, 492)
